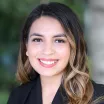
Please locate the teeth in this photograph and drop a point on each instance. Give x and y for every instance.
(47, 62)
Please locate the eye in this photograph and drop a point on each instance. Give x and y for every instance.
(37, 40)
(60, 41)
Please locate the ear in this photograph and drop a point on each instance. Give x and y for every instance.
(26, 53)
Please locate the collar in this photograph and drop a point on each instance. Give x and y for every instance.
(35, 95)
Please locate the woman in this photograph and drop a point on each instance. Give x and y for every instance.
(52, 64)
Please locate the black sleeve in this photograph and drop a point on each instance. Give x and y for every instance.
(19, 94)
(12, 97)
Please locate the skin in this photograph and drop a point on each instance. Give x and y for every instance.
(47, 41)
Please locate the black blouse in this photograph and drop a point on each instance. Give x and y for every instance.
(30, 93)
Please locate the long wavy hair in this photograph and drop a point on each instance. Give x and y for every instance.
(76, 81)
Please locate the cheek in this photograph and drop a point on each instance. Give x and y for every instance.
(33, 49)
(64, 52)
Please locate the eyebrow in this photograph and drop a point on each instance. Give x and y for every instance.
(58, 35)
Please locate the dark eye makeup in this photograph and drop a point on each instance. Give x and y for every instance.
(55, 40)
(36, 40)
(60, 41)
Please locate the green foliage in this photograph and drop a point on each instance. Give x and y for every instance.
(3, 97)
(12, 14)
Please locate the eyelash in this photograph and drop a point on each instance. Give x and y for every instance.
(60, 40)
(40, 40)
(37, 40)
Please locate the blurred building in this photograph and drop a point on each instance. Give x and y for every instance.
(94, 21)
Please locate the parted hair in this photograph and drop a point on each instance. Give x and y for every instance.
(76, 81)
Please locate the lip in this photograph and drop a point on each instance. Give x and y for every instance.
(47, 65)
(44, 59)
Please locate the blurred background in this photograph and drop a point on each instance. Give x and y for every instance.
(12, 17)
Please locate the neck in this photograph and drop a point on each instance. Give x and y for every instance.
(50, 81)
(50, 86)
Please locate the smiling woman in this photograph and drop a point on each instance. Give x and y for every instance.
(52, 64)
(44, 51)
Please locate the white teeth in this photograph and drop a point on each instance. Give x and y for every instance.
(47, 62)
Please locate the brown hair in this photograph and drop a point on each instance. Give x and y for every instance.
(76, 81)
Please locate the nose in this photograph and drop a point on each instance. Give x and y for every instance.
(48, 49)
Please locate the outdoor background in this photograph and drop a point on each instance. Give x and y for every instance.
(12, 17)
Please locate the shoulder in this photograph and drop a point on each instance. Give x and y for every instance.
(98, 89)
(20, 93)
(23, 87)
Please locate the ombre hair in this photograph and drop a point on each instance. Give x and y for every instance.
(75, 81)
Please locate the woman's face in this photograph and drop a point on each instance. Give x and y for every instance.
(48, 49)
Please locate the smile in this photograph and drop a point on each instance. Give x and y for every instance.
(48, 63)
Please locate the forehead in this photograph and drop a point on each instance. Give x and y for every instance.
(46, 25)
